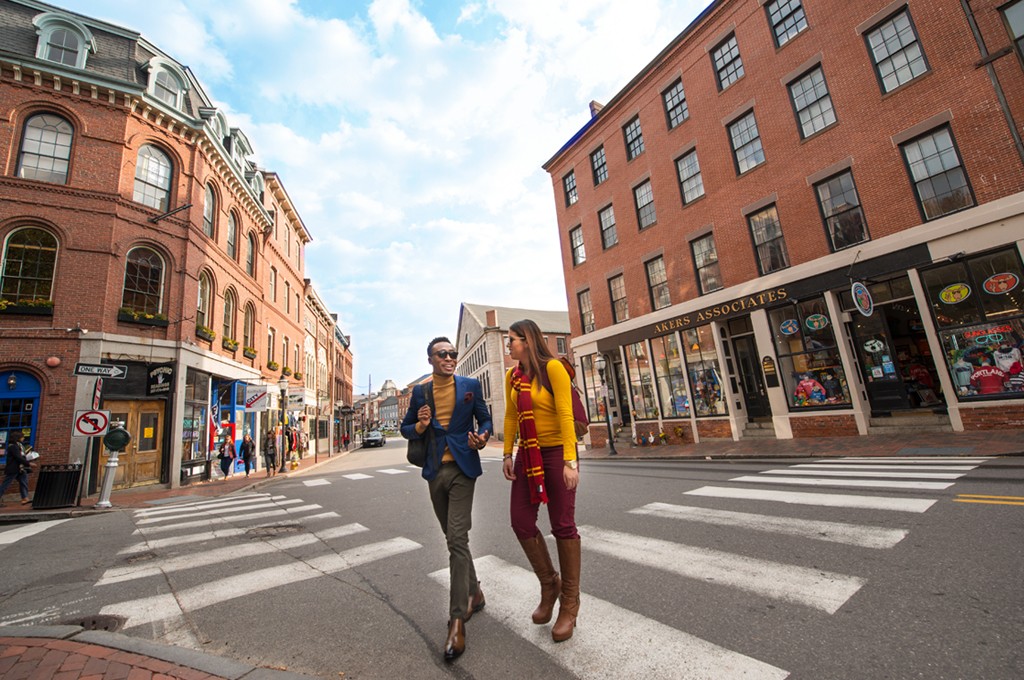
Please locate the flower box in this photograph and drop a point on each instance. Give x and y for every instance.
(298, 375)
(141, 318)
(249, 353)
(286, 371)
(205, 333)
(273, 365)
(32, 310)
(229, 344)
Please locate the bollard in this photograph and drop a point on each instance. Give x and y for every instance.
(114, 440)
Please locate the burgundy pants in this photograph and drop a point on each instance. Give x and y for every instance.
(561, 501)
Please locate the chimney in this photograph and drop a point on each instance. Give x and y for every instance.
(595, 108)
(492, 318)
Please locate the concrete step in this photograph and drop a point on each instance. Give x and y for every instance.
(909, 422)
(758, 430)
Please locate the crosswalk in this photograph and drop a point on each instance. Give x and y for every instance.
(301, 541)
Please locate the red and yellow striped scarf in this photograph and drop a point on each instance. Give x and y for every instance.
(529, 447)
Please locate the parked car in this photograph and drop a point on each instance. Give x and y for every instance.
(375, 438)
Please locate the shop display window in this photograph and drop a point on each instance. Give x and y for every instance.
(592, 389)
(812, 372)
(669, 375)
(978, 304)
(641, 384)
(704, 372)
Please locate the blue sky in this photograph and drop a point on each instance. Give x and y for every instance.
(410, 136)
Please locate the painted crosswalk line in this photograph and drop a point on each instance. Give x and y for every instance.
(392, 471)
(10, 536)
(812, 498)
(217, 533)
(315, 482)
(825, 481)
(892, 474)
(818, 530)
(916, 460)
(245, 517)
(888, 466)
(357, 476)
(634, 645)
(227, 509)
(149, 610)
(222, 502)
(814, 588)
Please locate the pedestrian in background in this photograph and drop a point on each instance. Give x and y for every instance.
(270, 453)
(538, 412)
(345, 441)
(226, 456)
(451, 470)
(17, 468)
(248, 453)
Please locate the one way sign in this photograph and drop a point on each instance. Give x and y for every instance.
(103, 370)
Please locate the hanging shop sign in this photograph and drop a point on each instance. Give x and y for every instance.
(1000, 284)
(816, 322)
(771, 376)
(789, 327)
(862, 298)
(159, 379)
(955, 293)
(256, 398)
(723, 311)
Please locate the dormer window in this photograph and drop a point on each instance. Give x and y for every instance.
(166, 89)
(167, 82)
(63, 40)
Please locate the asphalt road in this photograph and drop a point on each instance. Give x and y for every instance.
(689, 571)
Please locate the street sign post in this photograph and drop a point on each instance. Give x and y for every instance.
(97, 393)
(103, 370)
(91, 423)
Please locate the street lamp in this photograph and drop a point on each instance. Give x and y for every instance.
(601, 365)
(283, 384)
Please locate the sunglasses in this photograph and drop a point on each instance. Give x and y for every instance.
(444, 354)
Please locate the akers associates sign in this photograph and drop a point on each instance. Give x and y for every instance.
(723, 311)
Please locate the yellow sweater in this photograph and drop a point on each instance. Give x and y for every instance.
(551, 413)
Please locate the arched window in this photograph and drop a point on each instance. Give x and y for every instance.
(229, 314)
(232, 236)
(250, 255)
(166, 88)
(249, 326)
(143, 281)
(45, 148)
(30, 259)
(203, 303)
(63, 40)
(153, 178)
(210, 212)
(62, 47)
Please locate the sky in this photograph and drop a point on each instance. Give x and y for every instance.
(410, 135)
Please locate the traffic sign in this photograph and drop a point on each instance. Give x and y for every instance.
(105, 370)
(91, 423)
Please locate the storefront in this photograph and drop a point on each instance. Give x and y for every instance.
(195, 449)
(19, 408)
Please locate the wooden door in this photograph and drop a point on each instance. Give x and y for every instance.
(142, 460)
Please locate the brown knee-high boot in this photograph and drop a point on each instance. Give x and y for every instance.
(569, 605)
(536, 550)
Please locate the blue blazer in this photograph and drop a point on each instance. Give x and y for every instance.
(469, 406)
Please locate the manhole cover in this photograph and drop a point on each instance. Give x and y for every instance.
(97, 622)
(276, 530)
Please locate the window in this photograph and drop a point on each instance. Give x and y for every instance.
(271, 343)
(609, 236)
(787, 19)
(676, 110)
(809, 363)
(143, 281)
(166, 89)
(569, 184)
(620, 303)
(768, 240)
(586, 311)
(30, 261)
(62, 47)
(63, 40)
(728, 65)
(634, 139)
(203, 303)
(705, 258)
(667, 362)
(704, 371)
(232, 236)
(641, 384)
(937, 173)
(46, 149)
(746, 143)
(657, 283)
(250, 255)
(840, 206)
(287, 297)
(896, 51)
(579, 253)
(273, 284)
(229, 314)
(691, 185)
(644, 196)
(284, 351)
(152, 178)
(248, 326)
(812, 103)
(1014, 16)
(210, 212)
(560, 344)
(599, 164)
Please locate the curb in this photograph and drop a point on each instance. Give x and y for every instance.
(189, 658)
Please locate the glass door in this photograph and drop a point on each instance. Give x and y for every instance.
(878, 362)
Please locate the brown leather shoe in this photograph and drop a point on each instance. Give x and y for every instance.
(476, 603)
(456, 642)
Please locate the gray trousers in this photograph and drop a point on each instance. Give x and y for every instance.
(451, 493)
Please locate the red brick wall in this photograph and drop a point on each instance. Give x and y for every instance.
(824, 426)
(1003, 417)
(714, 429)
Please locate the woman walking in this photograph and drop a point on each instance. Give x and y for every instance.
(226, 456)
(270, 453)
(539, 412)
(248, 453)
(17, 467)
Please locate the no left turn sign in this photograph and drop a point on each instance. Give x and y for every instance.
(91, 423)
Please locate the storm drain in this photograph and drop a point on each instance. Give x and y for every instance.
(98, 622)
(274, 530)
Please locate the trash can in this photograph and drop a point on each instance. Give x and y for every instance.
(57, 486)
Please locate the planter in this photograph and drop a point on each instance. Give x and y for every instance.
(273, 365)
(286, 371)
(141, 320)
(205, 334)
(28, 310)
(249, 353)
(229, 345)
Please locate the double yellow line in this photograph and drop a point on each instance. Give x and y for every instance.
(989, 500)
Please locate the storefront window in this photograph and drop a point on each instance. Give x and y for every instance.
(668, 371)
(592, 390)
(194, 417)
(979, 307)
(704, 371)
(641, 384)
(809, 362)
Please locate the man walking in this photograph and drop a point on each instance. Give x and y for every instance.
(446, 410)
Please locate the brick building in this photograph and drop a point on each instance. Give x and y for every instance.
(805, 218)
(137, 234)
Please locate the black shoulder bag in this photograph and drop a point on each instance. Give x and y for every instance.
(416, 453)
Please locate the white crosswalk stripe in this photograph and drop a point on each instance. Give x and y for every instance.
(393, 471)
(9, 536)
(316, 482)
(226, 509)
(812, 498)
(283, 512)
(358, 476)
(824, 481)
(221, 502)
(634, 645)
(898, 474)
(890, 466)
(214, 534)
